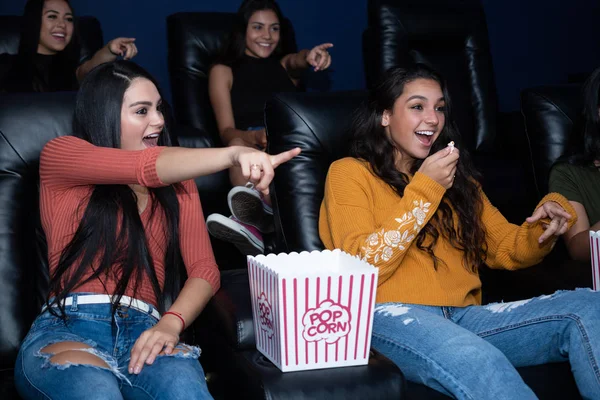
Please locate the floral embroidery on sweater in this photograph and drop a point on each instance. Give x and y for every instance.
(381, 245)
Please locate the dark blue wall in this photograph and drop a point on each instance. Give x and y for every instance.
(533, 42)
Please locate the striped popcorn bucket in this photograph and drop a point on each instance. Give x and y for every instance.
(595, 257)
(312, 310)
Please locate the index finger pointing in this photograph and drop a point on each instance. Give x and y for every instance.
(280, 158)
(325, 46)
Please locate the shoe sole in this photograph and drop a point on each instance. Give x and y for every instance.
(248, 208)
(227, 230)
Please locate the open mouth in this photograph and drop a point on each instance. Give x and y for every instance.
(59, 36)
(425, 137)
(151, 140)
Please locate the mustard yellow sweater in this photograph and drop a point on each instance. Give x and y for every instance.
(364, 216)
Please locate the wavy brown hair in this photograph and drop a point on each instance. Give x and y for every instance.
(372, 144)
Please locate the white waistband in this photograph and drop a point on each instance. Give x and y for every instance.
(106, 299)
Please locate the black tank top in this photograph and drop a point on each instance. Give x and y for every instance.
(254, 81)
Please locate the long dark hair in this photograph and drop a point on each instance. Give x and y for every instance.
(234, 47)
(26, 74)
(110, 240)
(584, 147)
(373, 145)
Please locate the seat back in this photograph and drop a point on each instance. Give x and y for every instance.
(27, 123)
(549, 113)
(299, 120)
(452, 37)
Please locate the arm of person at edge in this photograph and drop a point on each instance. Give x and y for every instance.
(577, 238)
(124, 47)
(511, 246)
(220, 80)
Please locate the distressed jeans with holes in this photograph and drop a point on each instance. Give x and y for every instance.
(471, 352)
(172, 377)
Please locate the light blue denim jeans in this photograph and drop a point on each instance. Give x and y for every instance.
(471, 352)
(170, 377)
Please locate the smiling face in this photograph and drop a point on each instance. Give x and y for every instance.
(142, 121)
(56, 29)
(416, 121)
(262, 34)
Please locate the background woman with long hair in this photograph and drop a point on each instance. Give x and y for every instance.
(255, 62)
(49, 57)
(411, 204)
(576, 175)
(130, 260)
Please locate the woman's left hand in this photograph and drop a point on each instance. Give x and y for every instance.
(559, 219)
(124, 47)
(163, 335)
(319, 58)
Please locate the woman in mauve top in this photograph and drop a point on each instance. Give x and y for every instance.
(130, 260)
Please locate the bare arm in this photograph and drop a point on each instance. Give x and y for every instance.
(577, 238)
(295, 62)
(178, 164)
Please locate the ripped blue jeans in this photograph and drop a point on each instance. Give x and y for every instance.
(471, 352)
(37, 376)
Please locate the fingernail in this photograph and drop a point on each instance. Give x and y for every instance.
(137, 369)
(130, 370)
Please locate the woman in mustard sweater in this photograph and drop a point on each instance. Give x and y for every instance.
(409, 202)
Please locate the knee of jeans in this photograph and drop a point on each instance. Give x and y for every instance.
(484, 359)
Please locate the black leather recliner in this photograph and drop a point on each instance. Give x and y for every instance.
(452, 37)
(27, 122)
(549, 113)
(297, 191)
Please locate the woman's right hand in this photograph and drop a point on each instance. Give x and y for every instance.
(124, 47)
(257, 166)
(441, 166)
